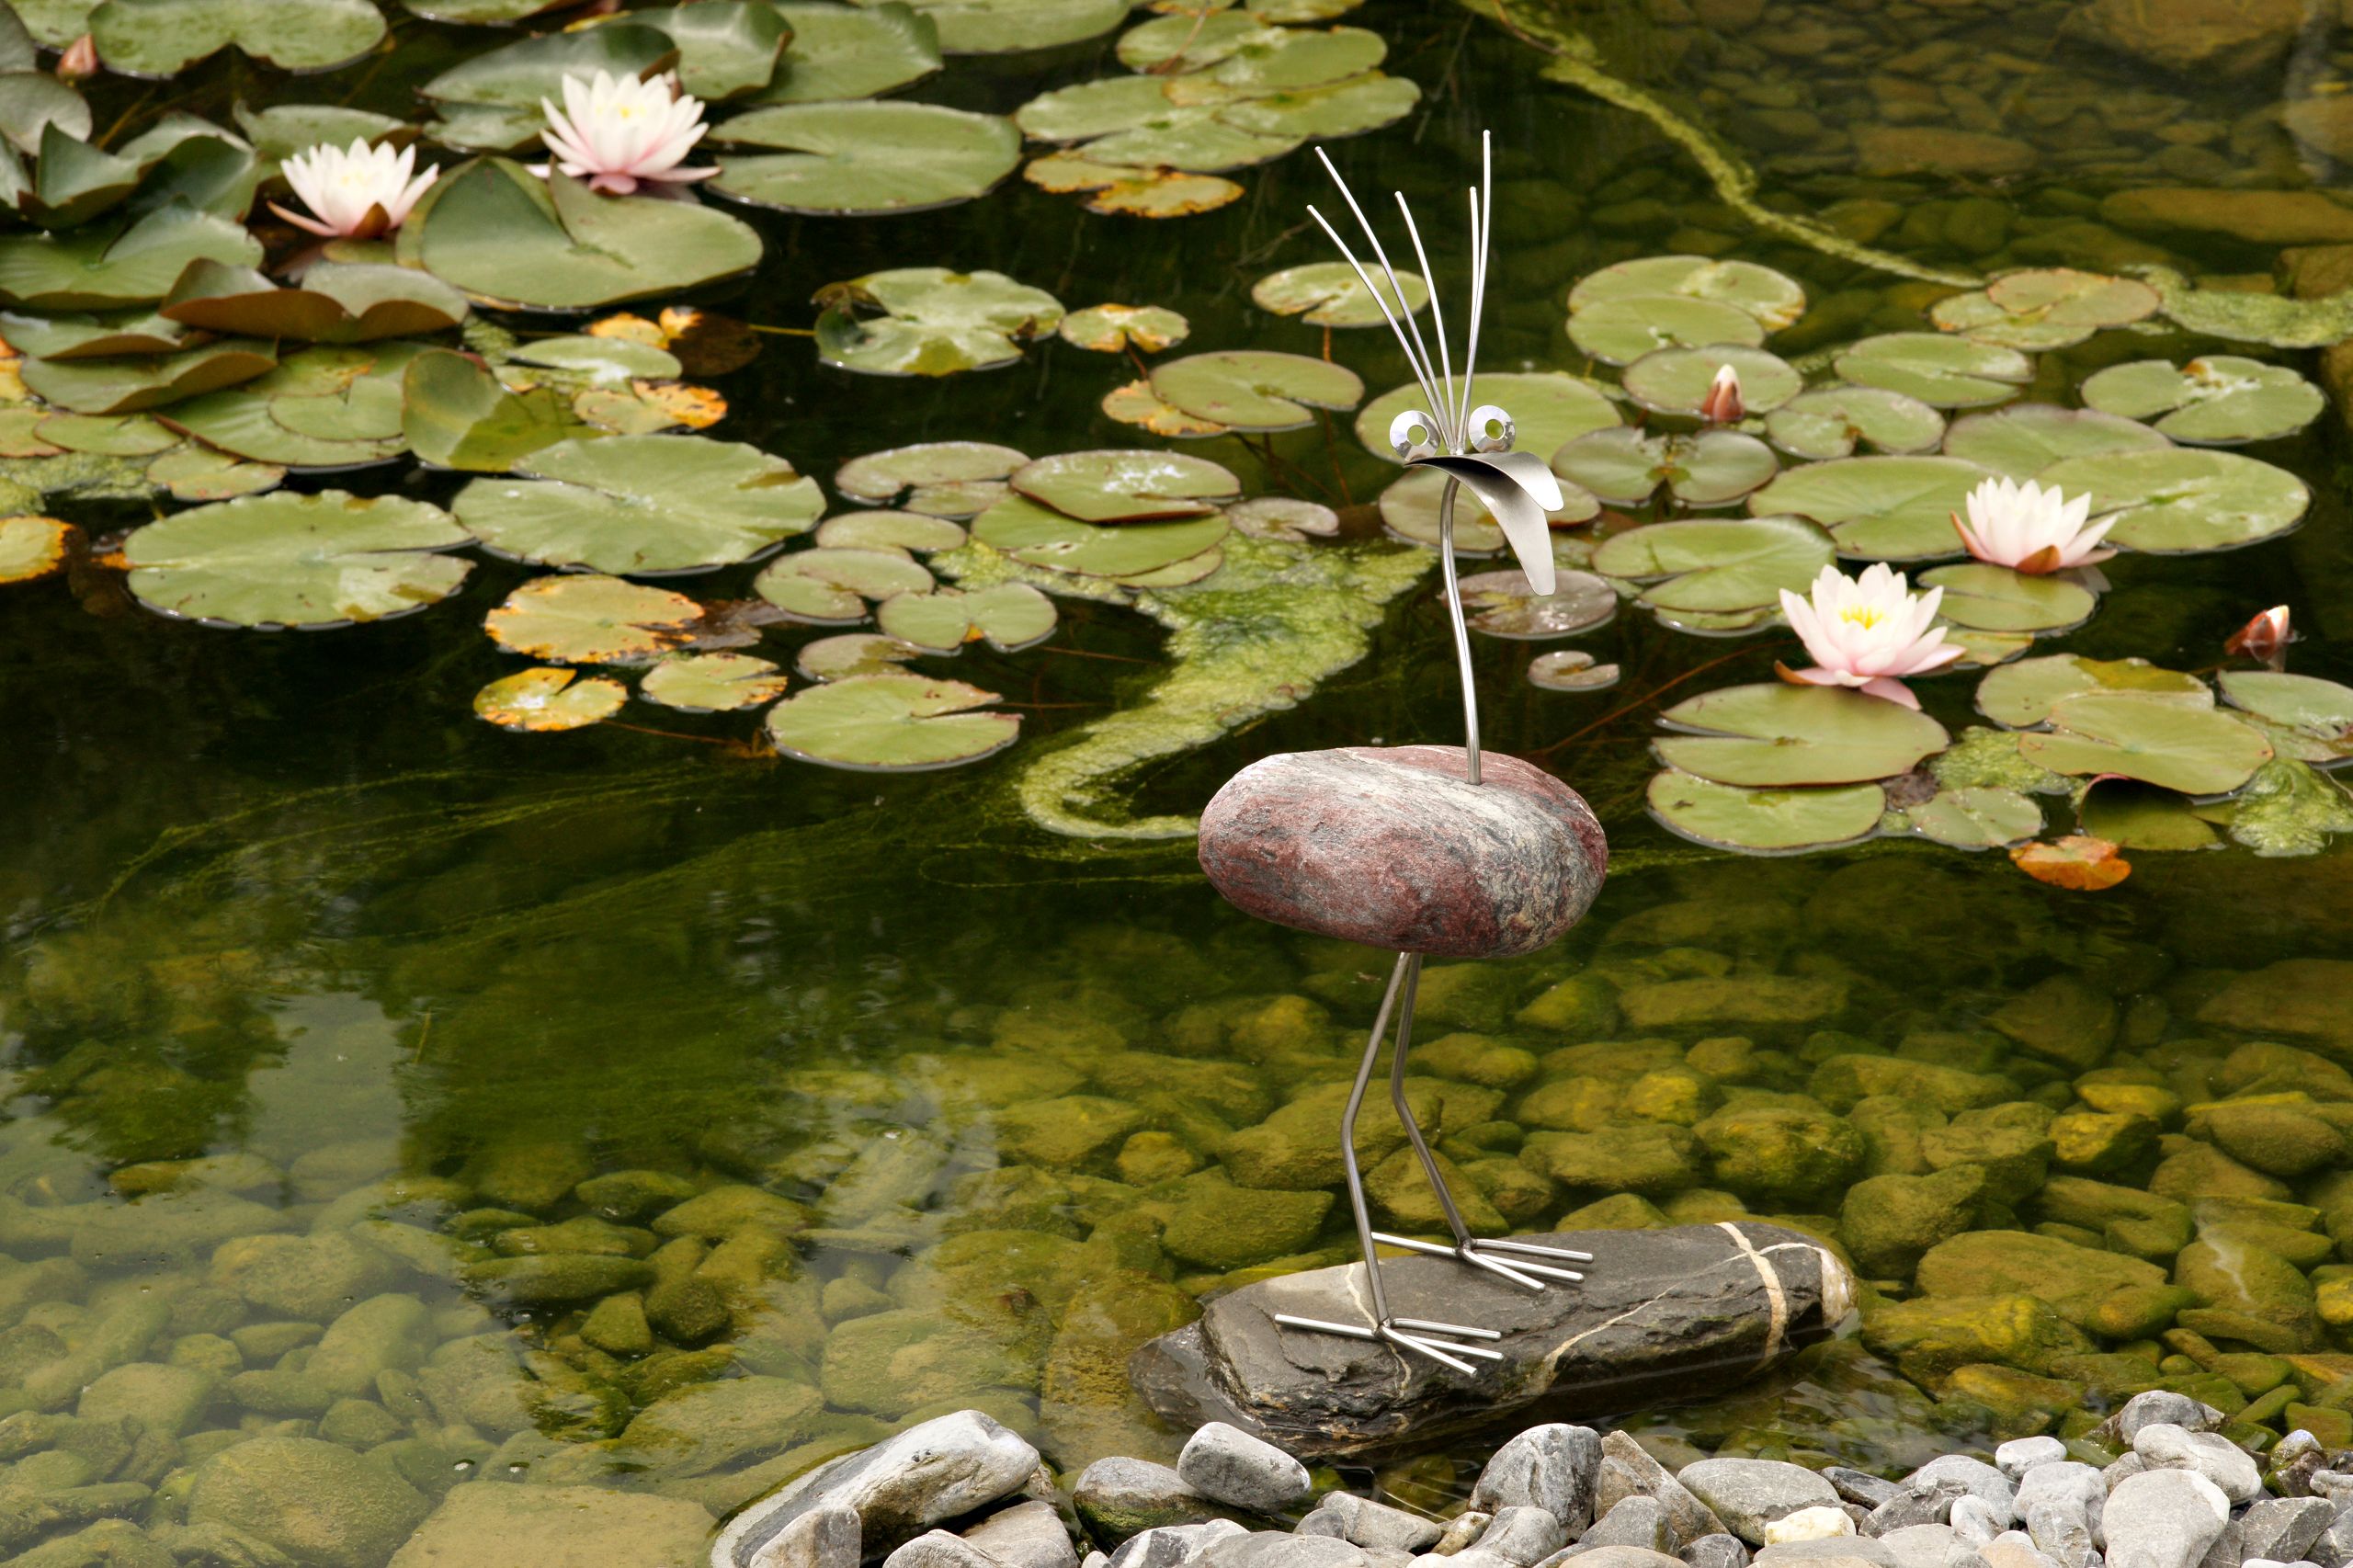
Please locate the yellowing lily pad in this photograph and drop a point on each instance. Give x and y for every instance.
(32, 547)
(1329, 293)
(542, 700)
(2024, 693)
(584, 619)
(890, 724)
(277, 561)
(1110, 329)
(712, 682)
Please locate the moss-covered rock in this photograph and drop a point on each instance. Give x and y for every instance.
(483, 1524)
(1844, 1081)
(1891, 1130)
(555, 1278)
(618, 1327)
(1479, 996)
(720, 1425)
(582, 1233)
(2235, 1277)
(1401, 1193)
(1476, 1059)
(1217, 1225)
(1150, 1157)
(1297, 1147)
(1758, 1002)
(1781, 1156)
(533, 1176)
(2066, 1018)
(2022, 1404)
(1932, 1336)
(1888, 1222)
(2010, 1142)
(623, 1196)
(1085, 1403)
(1655, 1160)
(379, 1335)
(2138, 1312)
(1584, 1006)
(2138, 1223)
(1680, 1096)
(2102, 1142)
(2282, 1135)
(2074, 1280)
(1521, 1195)
(317, 1503)
(722, 1210)
(312, 1276)
(2190, 1170)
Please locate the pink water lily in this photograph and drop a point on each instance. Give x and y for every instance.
(618, 132)
(2031, 529)
(1722, 405)
(1868, 633)
(359, 192)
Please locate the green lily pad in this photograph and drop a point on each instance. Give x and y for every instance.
(1717, 565)
(2027, 438)
(110, 434)
(161, 38)
(2220, 400)
(335, 303)
(601, 360)
(2024, 693)
(198, 473)
(1013, 27)
(1775, 735)
(1283, 518)
(1945, 373)
(936, 323)
(1983, 597)
(635, 504)
(1503, 604)
(1009, 616)
(839, 54)
(1975, 317)
(1571, 669)
(281, 130)
(545, 701)
(1832, 422)
(490, 102)
(506, 237)
(2186, 503)
(54, 24)
(1621, 330)
(283, 560)
(831, 587)
(852, 653)
(726, 48)
(1713, 467)
(2195, 750)
(847, 158)
(482, 13)
(1879, 508)
(32, 547)
(939, 479)
(2045, 308)
(1191, 40)
(94, 337)
(1773, 300)
(1675, 380)
(2133, 816)
(34, 104)
(1548, 408)
(1121, 486)
(1281, 59)
(2307, 719)
(1765, 821)
(891, 724)
(1976, 818)
(1038, 536)
(106, 267)
(712, 682)
(1989, 759)
(1409, 510)
(910, 532)
(454, 414)
(1327, 112)
(1256, 390)
(575, 619)
(128, 386)
(1114, 329)
(323, 408)
(2287, 808)
(1329, 293)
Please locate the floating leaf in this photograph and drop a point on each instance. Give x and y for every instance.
(2195, 750)
(1831, 422)
(2287, 808)
(830, 586)
(1675, 380)
(1621, 330)
(1409, 510)
(583, 620)
(726, 48)
(94, 337)
(2220, 400)
(1042, 536)
(1571, 669)
(1548, 408)
(633, 505)
(543, 700)
(32, 547)
(1329, 293)
(127, 385)
(454, 414)
(1775, 735)
(936, 323)
(281, 130)
(1717, 566)
(839, 54)
(2133, 816)
(940, 479)
(852, 653)
(1256, 390)
(2027, 438)
(1190, 40)
(1945, 373)
(323, 408)
(1501, 604)
(2024, 693)
(490, 102)
(1011, 27)
(1984, 598)
(866, 157)
(1773, 300)
(1131, 122)
(1136, 404)
(1283, 59)
(104, 269)
(2307, 719)
(1328, 111)
(1879, 508)
(482, 12)
(1121, 486)
(2186, 503)
(712, 682)
(1135, 193)
(1768, 821)
(336, 303)
(161, 38)
(285, 559)
(1283, 518)
(703, 342)
(2085, 865)
(601, 358)
(1009, 616)
(40, 114)
(1111, 329)
(890, 530)
(1975, 818)
(195, 473)
(2045, 308)
(891, 724)
(1712, 468)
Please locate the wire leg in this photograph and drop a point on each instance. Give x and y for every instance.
(1461, 629)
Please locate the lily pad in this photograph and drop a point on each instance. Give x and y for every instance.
(454, 414)
(1329, 293)
(1879, 508)
(2045, 308)
(1009, 617)
(1135, 193)
(1122, 486)
(1983, 597)
(1713, 467)
(32, 547)
(936, 323)
(910, 532)
(1409, 510)
(1571, 669)
(939, 479)
(2133, 816)
(323, 409)
(600, 358)
(1675, 380)
(1283, 59)
(1773, 300)
(1717, 566)
(1976, 818)
(1040, 536)
(1764, 822)
(1013, 27)
(2308, 718)
(1548, 408)
(1775, 736)
(543, 700)
(839, 54)
(198, 473)
(128, 386)
(282, 559)
(1256, 390)
(726, 48)
(335, 303)
(94, 337)
(583, 620)
(1621, 330)
(2186, 503)
(1190, 40)
(281, 130)
(712, 682)
(1136, 404)
(891, 724)
(1349, 107)
(110, 434)
(2195, 750)
(1503, 604)
(636, 504)
(1832, 422)
(107, 268)
(2220, 400)
(704, 343)
(1113, 329)
(506, 237)
(161, 38)
(845, 158)
(852, 653)
(2027, 438)
(1945, 373)
(490, 101)
(831, 587)
(1283, 518)
(2024, 693)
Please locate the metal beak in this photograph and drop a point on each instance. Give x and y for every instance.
(1519, 488)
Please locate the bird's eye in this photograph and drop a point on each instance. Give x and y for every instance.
(1413, 434)
(1490, 429)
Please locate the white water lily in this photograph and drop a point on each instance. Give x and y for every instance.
(2031, 529)
(356, 192)
(1868, 633)
(618, 132)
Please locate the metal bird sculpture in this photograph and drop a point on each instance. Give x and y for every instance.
(1416, 848)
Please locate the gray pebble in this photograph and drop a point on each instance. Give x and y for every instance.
(1522, 1535)
(1550, 1467)
(2157, 1406)
(1363, 1522)
(2017, 1455)
(2167, 1447)
(1717, 1551)
(1460, 1531)
(1231, 1466)
(2164, 1519)
(1030, 1535)
(938, 1549)
(1976, 1522)
(1748, 1494)
(2285, 1528)
(1171, 1545)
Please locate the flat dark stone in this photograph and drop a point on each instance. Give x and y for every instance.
(1394, 848)
(1662, 1315)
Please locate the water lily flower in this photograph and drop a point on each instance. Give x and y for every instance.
(618, 132)
(79, 62)
(1868, 632)
(2265, 637)
(356, 192)
(1723, 405)
(2031, 529)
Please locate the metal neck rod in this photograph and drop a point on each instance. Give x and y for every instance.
(1461, 628)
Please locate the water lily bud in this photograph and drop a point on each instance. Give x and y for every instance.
(2265, 637)
(80, 61)
(1723, 405)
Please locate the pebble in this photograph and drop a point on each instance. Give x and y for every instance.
(1117, 1497)
(1717, 1551)
(1975, 1520)
(1522, 1535)
(1747, 1494)
(1229, 1465)
(1027, 1535)
(1275, 1548)
(1976, 1476)
(2017, 1455)
(1362, 1522)
(2164, 1519)
(2284, 1527)
(1810, 1524)
(2065, 1484)
(1170, 1545)
(828, 1536)
(1553, 1466)
(2166, 1446)
(2153, 1406)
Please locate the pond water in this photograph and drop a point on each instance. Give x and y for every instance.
(634, 1108)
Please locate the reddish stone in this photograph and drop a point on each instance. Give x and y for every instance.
(1394, 848)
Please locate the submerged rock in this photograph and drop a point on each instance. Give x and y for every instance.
(489, 1525)
(317, 1503)
(1661, 1314)
(1393, 847)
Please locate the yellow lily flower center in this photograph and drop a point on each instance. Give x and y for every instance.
(1864, 616)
